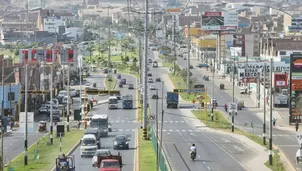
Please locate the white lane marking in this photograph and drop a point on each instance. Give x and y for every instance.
(179, 132)
(238, 148)
(171, 130)
(225, 140)
(193, 135)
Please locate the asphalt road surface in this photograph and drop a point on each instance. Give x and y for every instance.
(285, 140)
(13, 143)
(123, 122)
(215, 152)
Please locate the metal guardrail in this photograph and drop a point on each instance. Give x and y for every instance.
(165, 166)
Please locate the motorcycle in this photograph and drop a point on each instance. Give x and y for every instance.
(193, 155)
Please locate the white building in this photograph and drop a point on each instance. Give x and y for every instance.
(52, 23)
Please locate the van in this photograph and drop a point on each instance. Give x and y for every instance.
(155, 64)
(89, 145)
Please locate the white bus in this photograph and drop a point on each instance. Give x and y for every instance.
(112, 102)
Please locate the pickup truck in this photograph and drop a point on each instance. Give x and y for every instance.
(172, 100)
(110, 163)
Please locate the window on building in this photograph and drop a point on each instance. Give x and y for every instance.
(282, 53)
(297, 52)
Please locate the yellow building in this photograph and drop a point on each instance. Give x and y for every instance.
(208, 41)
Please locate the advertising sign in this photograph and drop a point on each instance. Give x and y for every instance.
(174, 10)
(280, 80)
(296, 25)
(255, 69)
(30, 121)
(295, 86)
(47, 55)
(219, 21)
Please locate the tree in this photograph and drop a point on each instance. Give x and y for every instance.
(183, 74)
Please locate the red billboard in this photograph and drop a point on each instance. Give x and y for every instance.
(25, 55)
(48, 55)
(70, 55)
(280, 80)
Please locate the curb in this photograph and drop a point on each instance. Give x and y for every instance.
(69, 152)
(282, 155)
(136, 166)
(27, 149)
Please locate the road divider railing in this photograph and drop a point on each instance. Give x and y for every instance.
(164, 165)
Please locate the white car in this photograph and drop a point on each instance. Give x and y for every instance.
(73, 92)
(100, 152)
(150, 80)
(152, 87)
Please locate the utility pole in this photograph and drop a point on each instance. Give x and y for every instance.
(109, 40)
(140, 56)
(51, 99)
(264, 105)
(233, 79)
(271, 115)
(2, 117)
(145, 118)
(162, 118)
(26, 104)
(188, 60)
(68, 97)
(157, 150)
(174, 45)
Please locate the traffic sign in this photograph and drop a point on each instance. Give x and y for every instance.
(232, 107)
(152, 117)
(198, 90)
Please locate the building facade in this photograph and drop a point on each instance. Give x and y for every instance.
(52, 23)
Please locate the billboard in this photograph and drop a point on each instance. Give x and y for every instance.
(219, 21)
(174, 10)
(295, 86)
(296, 25)
(65, 56)
(280, 80)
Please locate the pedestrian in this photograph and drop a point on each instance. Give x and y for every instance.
(274, 121)
(79, 124)
(297, 126)
(11, 124)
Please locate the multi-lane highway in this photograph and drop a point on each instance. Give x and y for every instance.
(123, 122)
(286, 140)
(180, 131)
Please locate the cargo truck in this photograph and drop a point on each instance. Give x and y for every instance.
(172, 100)
(127, 102)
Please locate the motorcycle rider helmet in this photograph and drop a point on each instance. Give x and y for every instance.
(193, 145)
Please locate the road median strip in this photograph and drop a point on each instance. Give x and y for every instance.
(147, 157)
(41, 155)
(110, 82)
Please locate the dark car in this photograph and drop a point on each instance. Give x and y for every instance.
(154, 96)
(149, 75)
(123, 81)
(130, 86)
(149, 61)
(157, 80)
(121, 142)
(202, 66)
(94, 131)
(119, 76)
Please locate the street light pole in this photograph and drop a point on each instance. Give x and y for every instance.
(2, 116)
(233, 79)
(156, 116)
(264, 105)
(109, 40)
(174, 45)
(26, 104)
(162, 119)
(188, 60)
(271, 115)
(68, 97)
(51, 100)
(145, 96)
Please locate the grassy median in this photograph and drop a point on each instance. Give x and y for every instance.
(221, 123)
(147, 158)
(179, 83)
(41, 156)
(110, 83)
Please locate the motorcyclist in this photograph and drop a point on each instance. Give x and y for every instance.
(193, 149)
(63, 163)
(225, 107)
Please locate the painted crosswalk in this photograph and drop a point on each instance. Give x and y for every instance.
(164, 130)
(134, 121)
